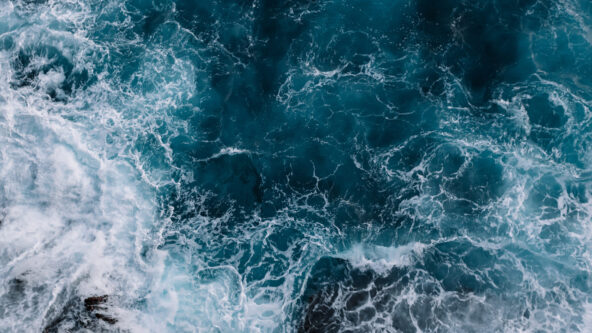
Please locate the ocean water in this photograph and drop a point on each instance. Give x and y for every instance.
(296, 166)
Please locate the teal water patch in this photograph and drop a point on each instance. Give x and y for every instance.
(295, 166)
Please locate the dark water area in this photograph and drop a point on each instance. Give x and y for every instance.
(296, 166)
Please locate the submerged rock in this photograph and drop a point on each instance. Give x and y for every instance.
(93, 303)
(97, 303)
(83, 314)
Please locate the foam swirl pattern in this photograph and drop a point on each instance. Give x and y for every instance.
(296, 166)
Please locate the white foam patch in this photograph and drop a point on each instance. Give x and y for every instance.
(381, 258)
(73, 221)
(587, 317)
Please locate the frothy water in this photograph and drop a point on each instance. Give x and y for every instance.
(295, 166)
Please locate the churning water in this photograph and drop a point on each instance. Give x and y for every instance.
(296, 165)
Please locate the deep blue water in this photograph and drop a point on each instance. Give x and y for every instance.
(296, 166)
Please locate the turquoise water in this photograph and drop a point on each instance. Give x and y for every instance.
(296, 166)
